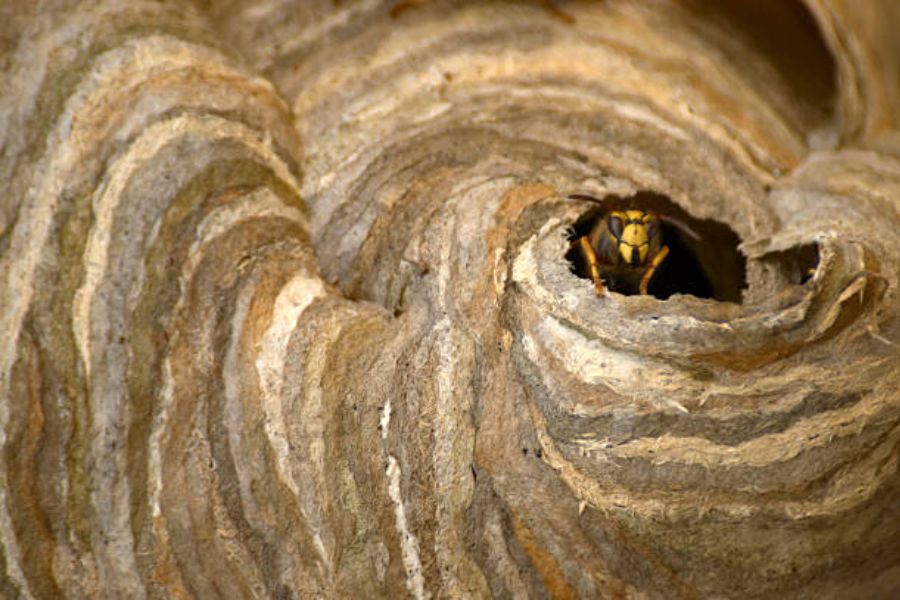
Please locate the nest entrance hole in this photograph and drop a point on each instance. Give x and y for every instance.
(708, 266)
(796, 265)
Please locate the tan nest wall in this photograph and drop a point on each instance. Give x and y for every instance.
(285, 311)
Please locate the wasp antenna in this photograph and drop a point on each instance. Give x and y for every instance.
(680, 225)
(585, 197)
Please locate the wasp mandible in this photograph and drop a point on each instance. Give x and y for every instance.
(624, 246)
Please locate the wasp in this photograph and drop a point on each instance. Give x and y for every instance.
(624, 246)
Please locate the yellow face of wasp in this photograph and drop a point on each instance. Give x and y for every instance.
(629, 227)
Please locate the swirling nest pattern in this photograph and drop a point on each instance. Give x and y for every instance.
(285, 311)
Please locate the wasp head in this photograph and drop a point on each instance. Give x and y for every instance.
(634, 231)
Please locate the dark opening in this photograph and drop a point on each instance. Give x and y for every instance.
(710, 266)
(797, 264)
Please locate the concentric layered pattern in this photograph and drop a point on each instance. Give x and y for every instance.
(285, 311)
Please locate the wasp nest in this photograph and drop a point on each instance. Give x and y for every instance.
(286, 310)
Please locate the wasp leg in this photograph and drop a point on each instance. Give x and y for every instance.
(657, 260)
(591, 257)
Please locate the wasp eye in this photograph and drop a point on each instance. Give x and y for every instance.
(615, 226)
(652, 229)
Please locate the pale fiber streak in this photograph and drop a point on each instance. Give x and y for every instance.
(115, 69)
(816, 431)
(40, 40)
(292, 300)
(151, 141)
(594, 363)
(409, 544)
(258, 203)
(320, 28)
(307, 418)
(261, 202)
(385, 419)
(159, 430)
(35, 222)
(578, 60)
(97, 255)
(453, 449)
(844, 494)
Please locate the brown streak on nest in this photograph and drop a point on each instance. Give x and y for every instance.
(553, 578)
